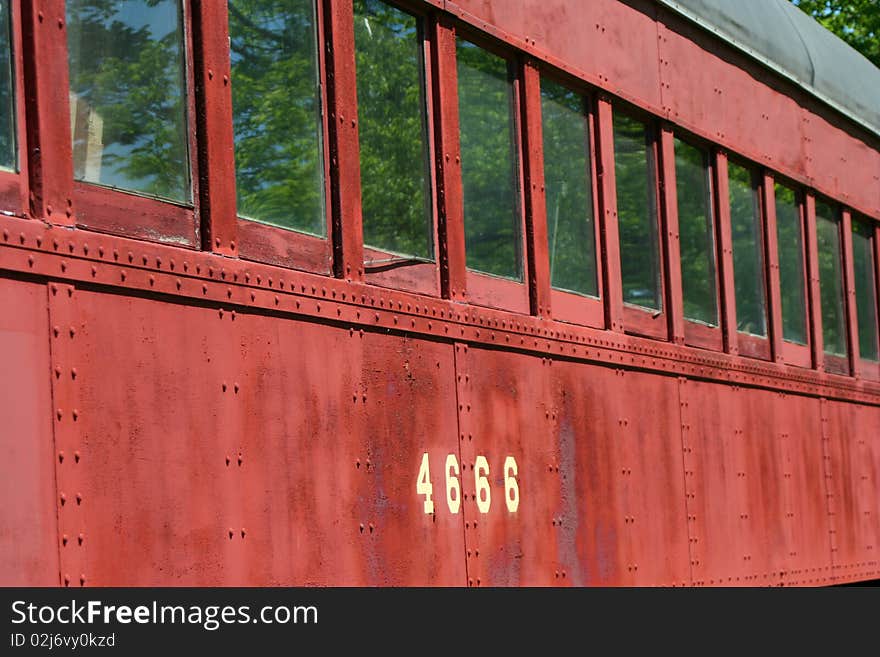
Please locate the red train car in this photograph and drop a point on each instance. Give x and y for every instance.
(434, 292)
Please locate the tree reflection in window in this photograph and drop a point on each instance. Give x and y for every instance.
(127, 99)
(392, 125)
(637, 212)
(790, 241)
(866, 290)
(488, 162)
(748, 260)
(569, 193)
(696, 233)
(830, 279)
(277, 113)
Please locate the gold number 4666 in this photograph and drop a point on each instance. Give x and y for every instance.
(483, 492)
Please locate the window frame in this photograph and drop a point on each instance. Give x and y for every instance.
(565, 305)
(126, 212)
(419, 277)
(485, 289)
(739, 342)
(14, 183)
(834, 363)
(783, 351)
(639, 320)
(860, 367)
(287, 247)
(696, 333)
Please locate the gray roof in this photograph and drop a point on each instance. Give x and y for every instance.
(790, 42)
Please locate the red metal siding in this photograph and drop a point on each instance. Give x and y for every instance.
(852, 488)
(601, 485)
(230, 448)
(28, 526)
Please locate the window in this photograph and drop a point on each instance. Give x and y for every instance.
(830, 279)
(635, 171)
(394, 156)
(492, 218)
(7, 96)
(568, 183)
(790, 241)
(277, 114)
(696, 233)
(127, 96)
(748, 260)
(866, 290)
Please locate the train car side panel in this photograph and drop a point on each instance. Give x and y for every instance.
(229, 448)
(28, 524)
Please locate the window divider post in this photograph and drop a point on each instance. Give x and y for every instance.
(536, 210)
(47, 82)
(450, 201)
(216, 142)
(670, 236)
(725, 254)
(345, 172)
(814, 298)
(609, 232)
(849, 285)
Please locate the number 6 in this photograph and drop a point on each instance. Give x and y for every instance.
(484, 494)
(511, 488)
(452, 484)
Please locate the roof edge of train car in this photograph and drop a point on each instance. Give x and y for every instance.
(786, 40)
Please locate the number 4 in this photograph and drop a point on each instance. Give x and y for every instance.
(423, 484)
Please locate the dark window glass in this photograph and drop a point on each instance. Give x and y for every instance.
(790, 240)
(748, 260)
(488, 162)
(569, 190)
(637, 213)
(866, 292)
(394, 157)
(696, 233)
(830, 279)
(277, 113)
(7, 97)
(127, 99)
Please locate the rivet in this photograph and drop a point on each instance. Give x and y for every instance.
(231, 533)
(64, 539)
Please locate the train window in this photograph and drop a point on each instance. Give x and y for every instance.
(394, 157)
(127, 96)
(790, 241)
(7, 99)
(488, 162)
(635, 170)
(830, 279)
(748, 260)
(695, 227)
(569, 190)
(277, 114)
(866, 291)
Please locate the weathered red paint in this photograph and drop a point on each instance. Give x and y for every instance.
(212, 419)
(28, 526)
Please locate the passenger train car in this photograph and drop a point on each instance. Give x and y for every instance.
(437, 293)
